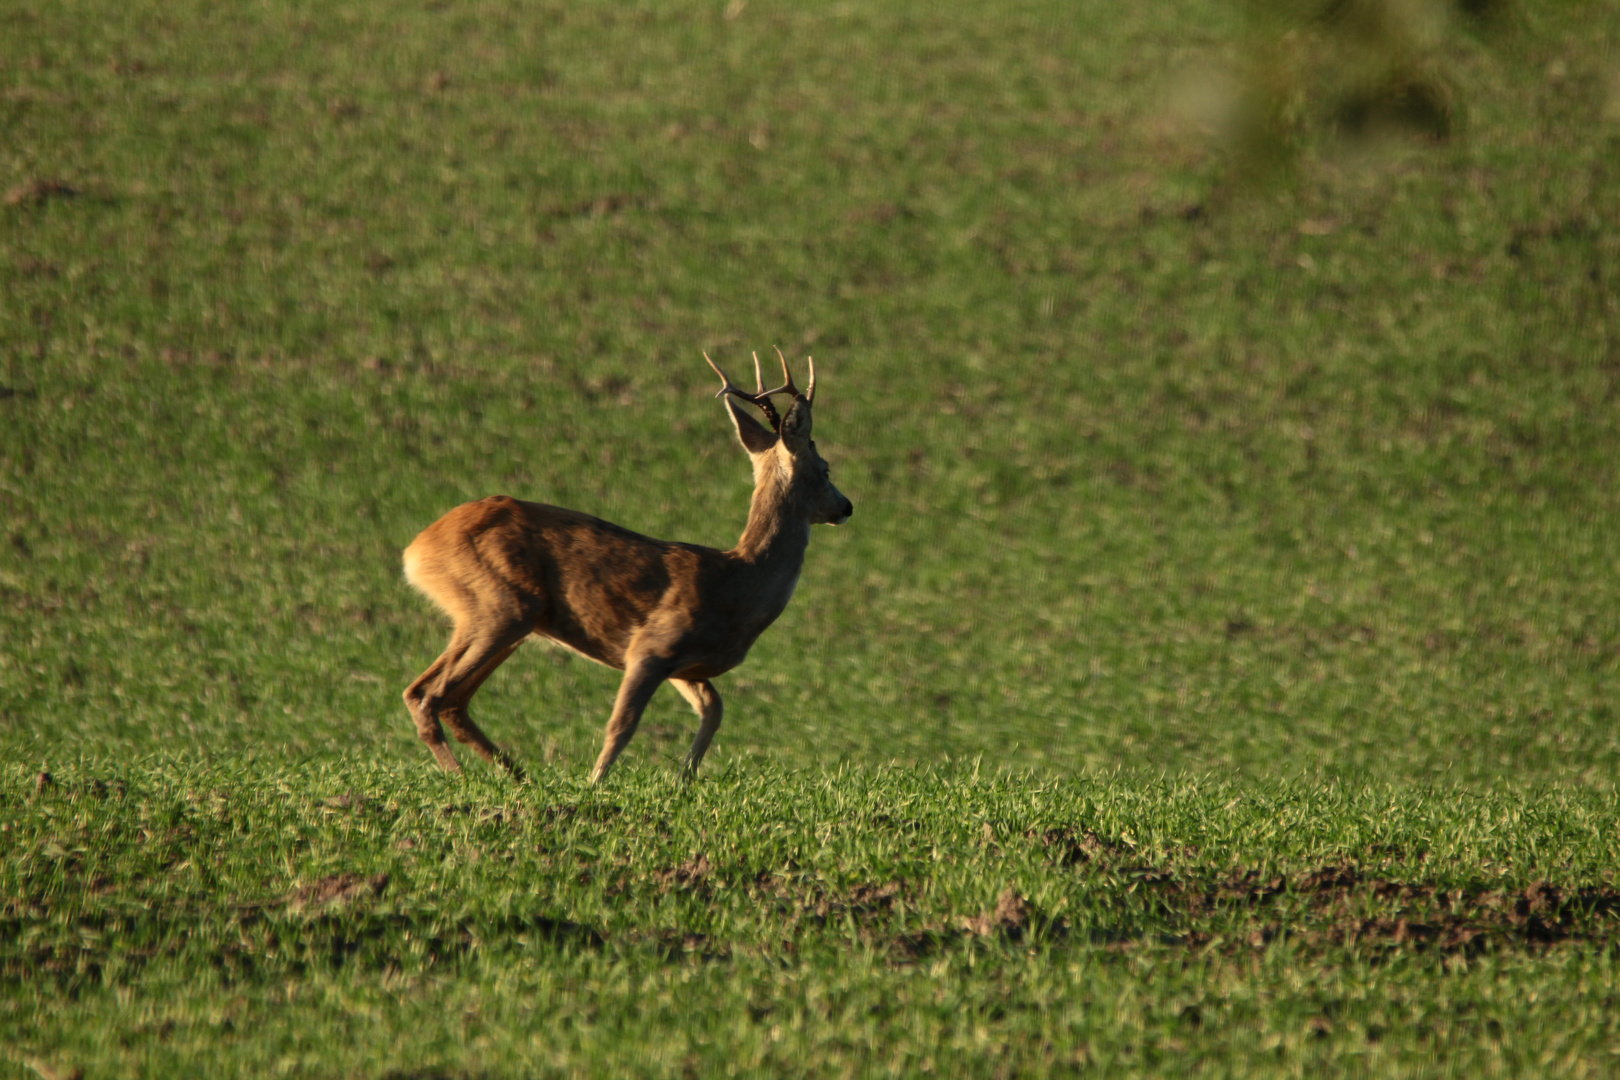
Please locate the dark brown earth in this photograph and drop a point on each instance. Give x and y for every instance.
(1344, 904)
(337, 889)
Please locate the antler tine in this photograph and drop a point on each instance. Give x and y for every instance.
(762, 398)
(787, 387)
(726, 385)
(810, 391)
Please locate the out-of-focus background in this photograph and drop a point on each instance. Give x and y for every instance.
(1220, 388)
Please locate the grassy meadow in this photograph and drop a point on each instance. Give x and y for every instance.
(1217, 673)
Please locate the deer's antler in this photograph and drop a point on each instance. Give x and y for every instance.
(787, 387)
(760, 397)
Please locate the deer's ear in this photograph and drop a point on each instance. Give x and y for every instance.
(755, 437)
(796, 425)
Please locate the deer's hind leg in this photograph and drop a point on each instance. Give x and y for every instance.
(454, 711)
(444, 689)
(705, 701)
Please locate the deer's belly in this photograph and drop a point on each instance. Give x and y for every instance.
(715, 663)
(585, 650)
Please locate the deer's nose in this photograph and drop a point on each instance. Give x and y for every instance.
(849, 508)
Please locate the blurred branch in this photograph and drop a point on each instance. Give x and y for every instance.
(1353, 69)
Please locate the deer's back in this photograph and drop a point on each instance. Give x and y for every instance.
(585, 582)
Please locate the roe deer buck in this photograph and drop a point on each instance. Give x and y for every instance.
(504, 569)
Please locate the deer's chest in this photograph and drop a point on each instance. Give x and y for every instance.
(722, 652)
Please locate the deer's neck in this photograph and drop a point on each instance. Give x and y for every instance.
(777, 533)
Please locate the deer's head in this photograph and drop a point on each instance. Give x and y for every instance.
(784, 454)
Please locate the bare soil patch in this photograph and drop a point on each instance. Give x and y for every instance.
(1344, 905)
(335, 890)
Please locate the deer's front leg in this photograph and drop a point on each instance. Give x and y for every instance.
(641, 677)
(705, 701)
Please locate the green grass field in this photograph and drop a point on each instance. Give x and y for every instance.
(1216, 676)
(348, 919)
